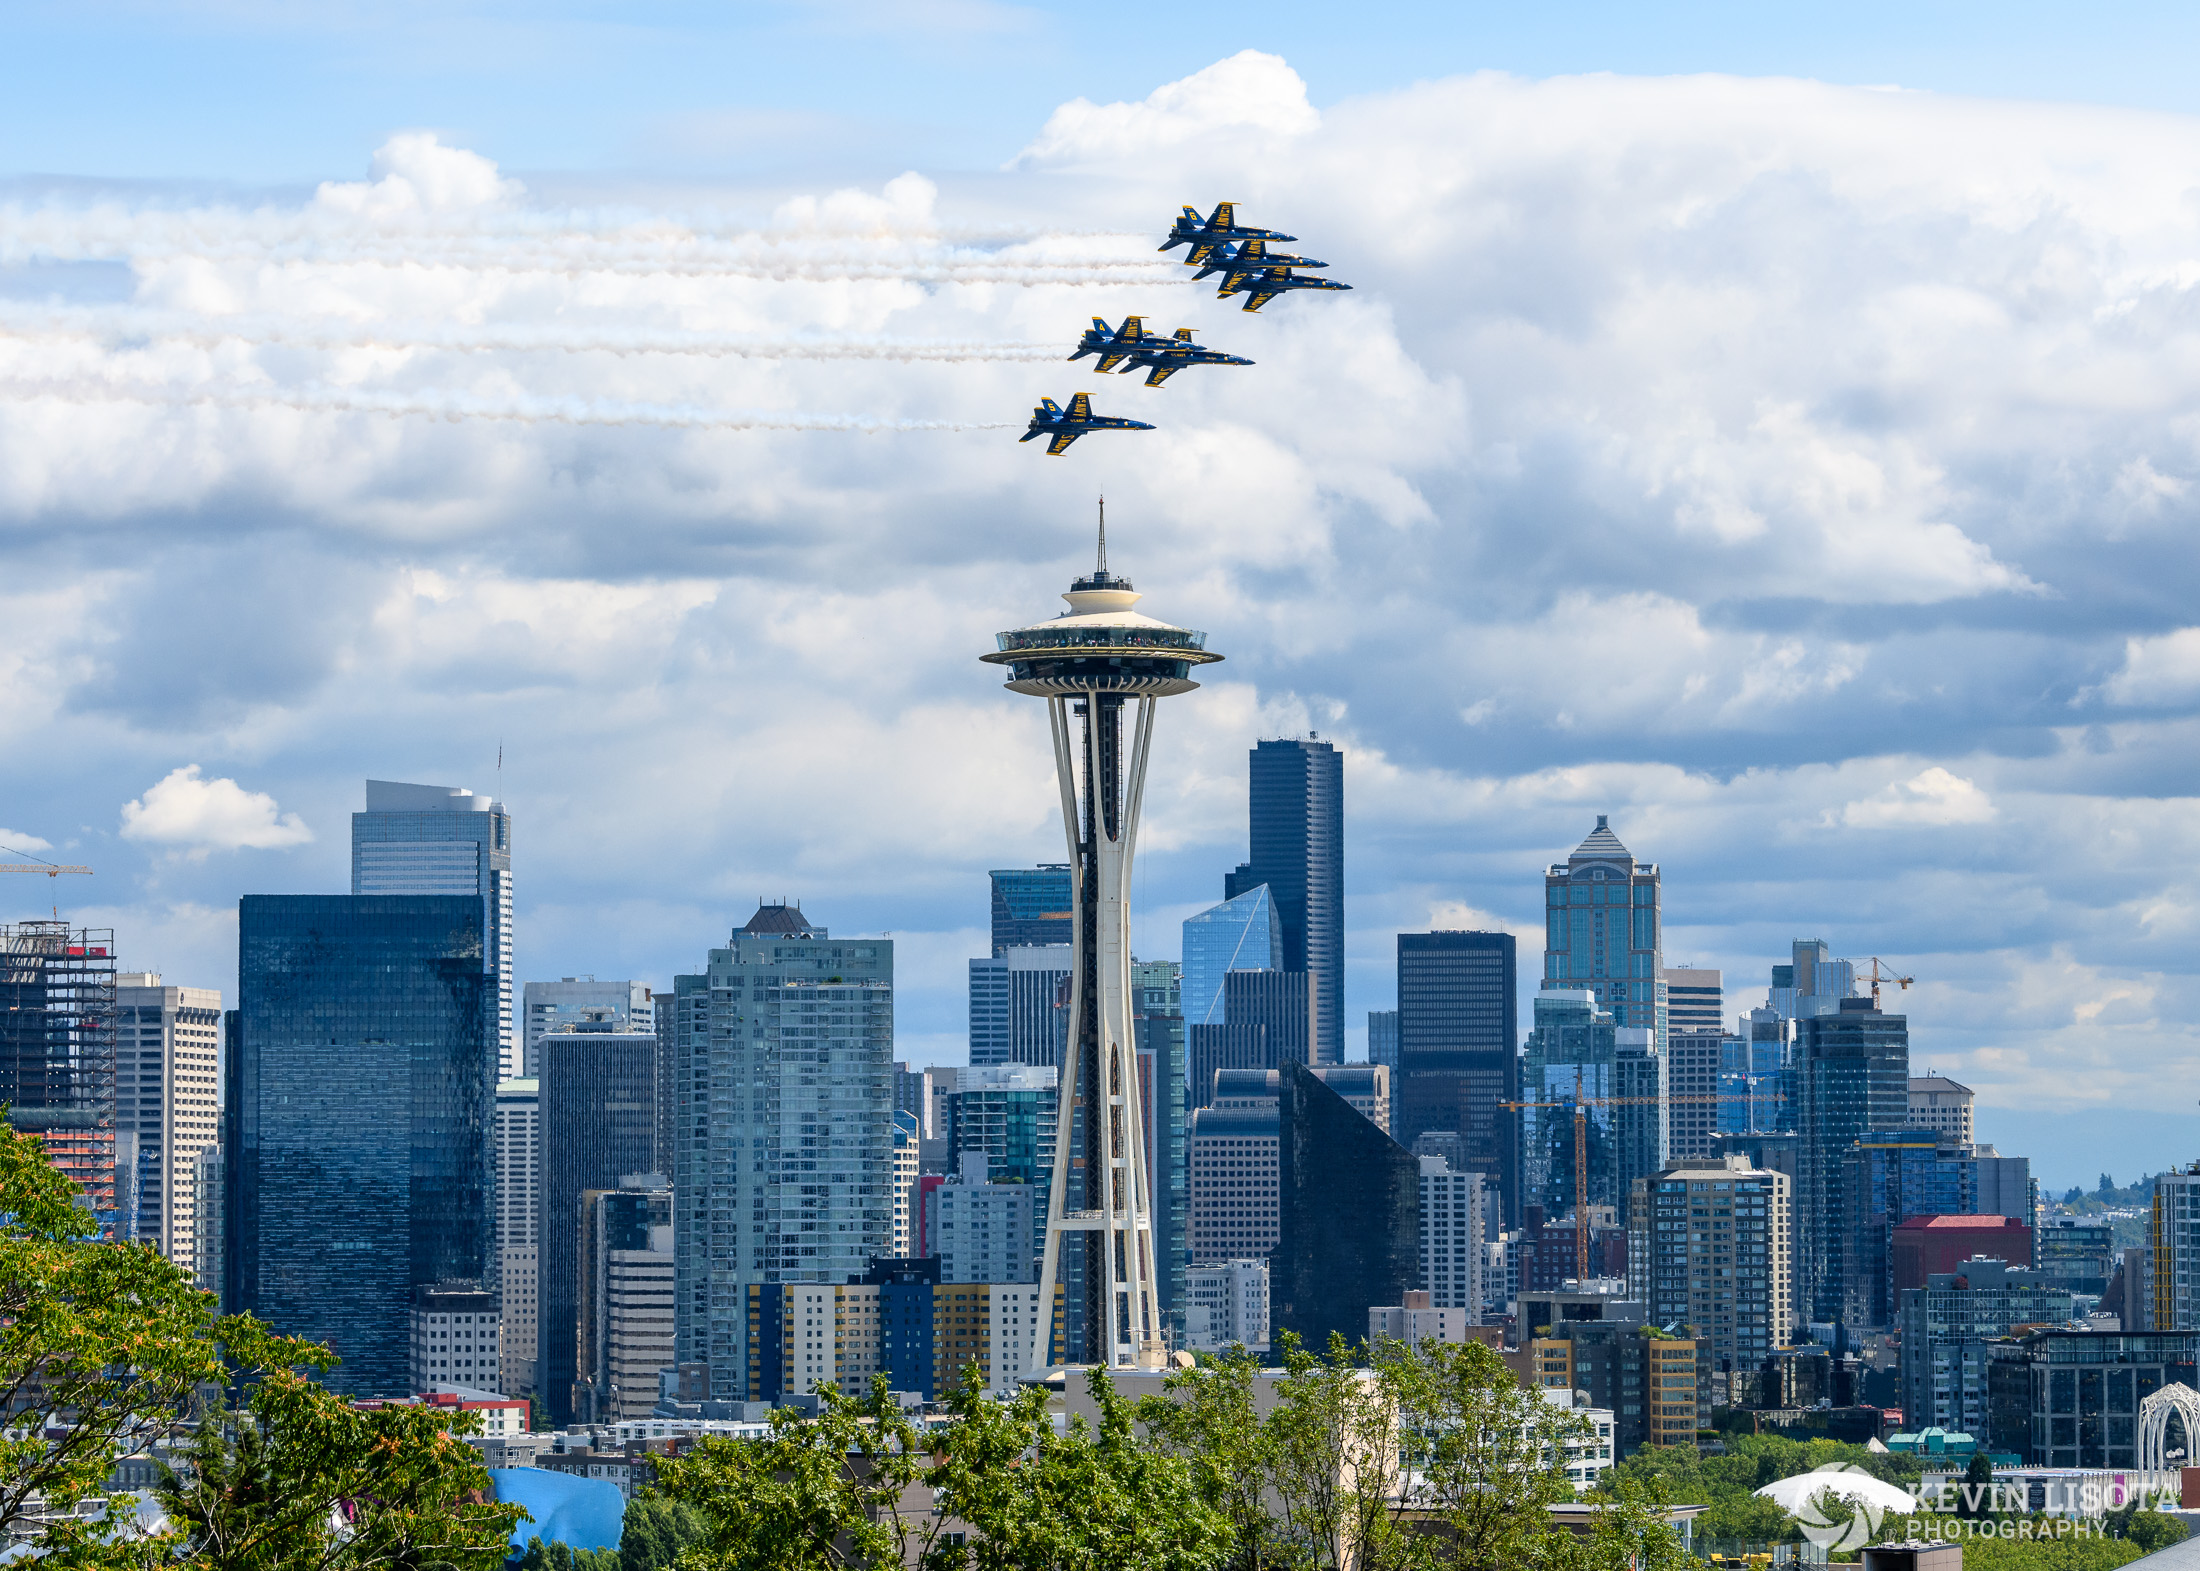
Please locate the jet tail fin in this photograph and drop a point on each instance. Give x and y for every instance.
(1183, 335)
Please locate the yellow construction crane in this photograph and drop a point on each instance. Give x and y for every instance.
(38, 865)
(1581, 1104)
(1902, 982)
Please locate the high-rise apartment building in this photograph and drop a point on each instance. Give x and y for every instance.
(1244, 933)
(1031, 907)
(1694, 1000)
(1348, 1217)
(1454, 1226)
(1852, 1075)
(783, 1152)
(2174, 1233)
(1604, 933)
(982, 1231)
(1157, 1024)
(210, 1177)
(1226, 1305)
(1577, 1052)
(573, 1000)
(624, 1309)
(1697, 1079)
(1458, 1038)
(358, 1121)
(167, 1089)
(599, 1130)
(907, 1143)
(1019, 1010)
(1709, 1246)
(57, 1061)
(1297, 813)
(518, 1138)
(1941, 1104)
(443, 840)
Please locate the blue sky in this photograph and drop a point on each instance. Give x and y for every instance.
(1796, 464)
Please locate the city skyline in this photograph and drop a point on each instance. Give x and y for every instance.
(1841, 662)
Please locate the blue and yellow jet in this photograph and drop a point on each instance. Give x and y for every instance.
(1249, 256)
(1204, 235)
(1264, 287)
(1066, 426)
(1131, 347)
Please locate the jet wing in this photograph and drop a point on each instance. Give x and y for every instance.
(1060, 445)
(1262, 294)
(1112, 359)
(1160, 374)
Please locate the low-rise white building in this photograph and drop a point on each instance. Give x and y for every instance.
(1226, 1304)
(1417, 1320)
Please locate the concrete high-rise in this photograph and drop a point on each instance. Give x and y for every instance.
(1710, 1245)
(783, 1146)
(1102, 668)
(1031, 907)
(519, 1229)
(1348, 1214)
(1604, 931)
(1244, 933)
(167, 1089)
(1016, 1013)
(1297, 842)
(358, 1121)
(599, 1128)
(1458, 1039)
(1943, 1105)
(624, 1313)
(570, 1000)
(1852, 1074)
(980, 1230)
(1454, 1225)
(1694, 1000)
(444, 840)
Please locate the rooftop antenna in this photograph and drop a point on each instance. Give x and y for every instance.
(1103, 572)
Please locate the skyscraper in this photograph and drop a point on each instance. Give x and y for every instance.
(1348, 1214)
(1812, 983)
(1710, 1246)
(625, 1308)
(1453, 1228)
(358, 1120)
(545, 1006)
(1577, 1051)
(519, 1229)
(1603, 931)
(1265, 1020)
(167, 1060)
(444, 840)
(599, 1128)
(1016, 1013)
(1244, 933)
(1458, 1036)
(1031, 907)
(1157, 1021)
(1297, 822)
(783, 1145)
(1852, 1074)
(1102, 669)
(1694, 1000)
(57, 1061)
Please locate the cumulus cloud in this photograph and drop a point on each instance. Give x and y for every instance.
(18, 840)
(1783, 469)
(198, 815)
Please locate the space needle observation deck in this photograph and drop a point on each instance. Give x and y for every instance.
(1101, 666)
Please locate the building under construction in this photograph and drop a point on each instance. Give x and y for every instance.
(57, 1058)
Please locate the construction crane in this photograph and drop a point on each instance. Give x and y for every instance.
(38, 865)
(1581, 1103)
(1902, 982)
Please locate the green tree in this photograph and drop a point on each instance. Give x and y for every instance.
(1206, 1417)
(100, 1344)
(1975, 1500)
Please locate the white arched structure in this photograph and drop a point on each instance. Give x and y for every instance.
(2154, 1415)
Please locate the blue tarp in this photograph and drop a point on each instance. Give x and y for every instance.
(581, 1513)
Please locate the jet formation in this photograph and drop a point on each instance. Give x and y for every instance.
(1219, 244)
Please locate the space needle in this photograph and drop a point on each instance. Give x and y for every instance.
(1101, 667)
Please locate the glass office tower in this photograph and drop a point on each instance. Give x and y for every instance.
(1604, 931)
(1457, 1036)
(1031, 906)
(1852, 1074)
(443, 840)
(1348, 1213)
(1244, 933)
(358, 1122)
(1297, 843)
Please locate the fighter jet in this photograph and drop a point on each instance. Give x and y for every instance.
(1249, 256)
(1161, 357)
(1204, 236)
(1264, 287)
(1049, 420)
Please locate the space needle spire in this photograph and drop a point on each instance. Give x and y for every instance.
(1102, 667)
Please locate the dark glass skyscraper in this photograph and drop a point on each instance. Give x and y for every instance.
(358, 1121)
(1348, 1214)
(1031, 906)
(1158, 1025)
(1297, 812)
(1458, 1039)
(599, 1126)
(1852, 1074)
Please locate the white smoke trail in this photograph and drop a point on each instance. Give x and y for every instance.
(104, 326)
(463, 406)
